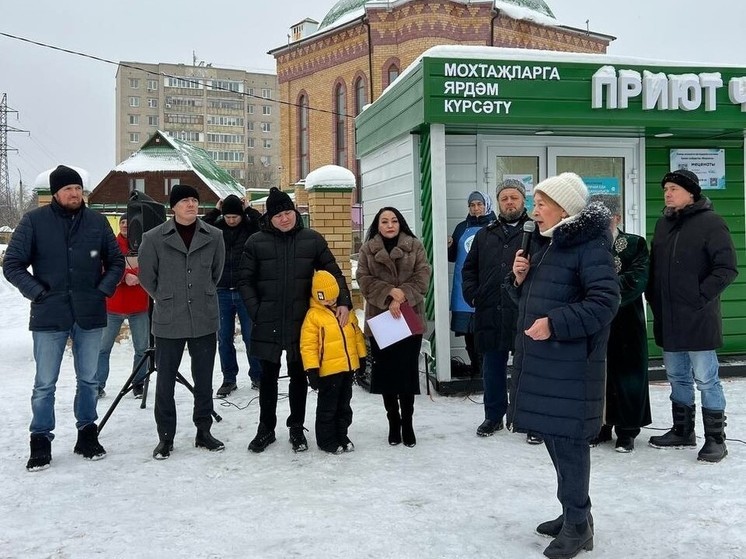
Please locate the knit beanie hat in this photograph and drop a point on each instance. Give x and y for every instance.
(324, 286)
(568, 190)
(686, 180)
(475, 196)
(232, 205)
(63, 176)
(278, 201)
(181, 191)
(613, 202)
(511, 183)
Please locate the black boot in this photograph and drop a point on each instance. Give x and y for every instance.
(714, 449)
(88, 445)
(41, 453)
(407, 411)
(163, 449)
(570, 541)
(391, 403)
(264, 437)
(554, 527)
(682, 432)
(204, 439)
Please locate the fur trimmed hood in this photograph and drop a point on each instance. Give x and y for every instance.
(593, 222)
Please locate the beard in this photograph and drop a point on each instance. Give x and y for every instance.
(511, 215)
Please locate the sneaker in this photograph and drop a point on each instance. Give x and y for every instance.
(334, 450)
(41, 453)
(226, 388)
(489, 428)
(137, 391)
(163, 450)
(101, 394)
(532, 438)
(264, 437)
(298, 439)
(347, 445)
(604, 436)
(256, 384)
(204, 439)
(88, 446)
(624, 444)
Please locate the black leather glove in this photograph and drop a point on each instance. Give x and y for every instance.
(313, 378)
(363, 365)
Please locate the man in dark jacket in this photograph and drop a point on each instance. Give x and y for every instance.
(238, 223)
(76, 263)
(488, 263)
(277, 268)
(181, 262)
(692, 261)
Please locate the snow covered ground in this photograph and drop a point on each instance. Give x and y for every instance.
(452, 496)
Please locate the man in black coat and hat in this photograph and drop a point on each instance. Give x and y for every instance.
(692, 261)
(276, 271)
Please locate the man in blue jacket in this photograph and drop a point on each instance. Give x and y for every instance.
(75, 264)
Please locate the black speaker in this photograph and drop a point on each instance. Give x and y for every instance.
(143, 213)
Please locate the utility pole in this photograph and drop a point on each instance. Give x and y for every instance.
(8, 214)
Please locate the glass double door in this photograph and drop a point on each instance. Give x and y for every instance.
(612, 168)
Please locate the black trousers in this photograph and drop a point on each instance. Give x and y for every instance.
(168, 354)
(333, 411)
(296, 394)
(572, 462)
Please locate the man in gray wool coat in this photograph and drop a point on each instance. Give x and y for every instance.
(181, 262)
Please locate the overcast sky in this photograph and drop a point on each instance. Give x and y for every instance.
(66, 102)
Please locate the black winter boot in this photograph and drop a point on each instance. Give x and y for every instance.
(570, 541)
(391, 403)
(88, 445)
(163, 450)
(552, 528)
(298, 438)
(714, 449)
(264, 437)
(407, 411)
(204, 439)
(682, 433)
(41, 453)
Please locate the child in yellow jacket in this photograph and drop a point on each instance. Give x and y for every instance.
(330, 356)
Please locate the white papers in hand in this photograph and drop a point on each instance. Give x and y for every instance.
(388, 330)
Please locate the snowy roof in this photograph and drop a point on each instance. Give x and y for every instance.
(41, 182)
(164, 153)
(345, 11)
(330, 175)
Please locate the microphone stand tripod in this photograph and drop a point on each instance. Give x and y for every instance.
(129, 385)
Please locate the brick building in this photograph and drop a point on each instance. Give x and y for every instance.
(330, 71)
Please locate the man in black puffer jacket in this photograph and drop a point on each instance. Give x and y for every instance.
(75, 264)
(238, 222)
(276, 271)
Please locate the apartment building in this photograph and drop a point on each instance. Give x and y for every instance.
(232, 114)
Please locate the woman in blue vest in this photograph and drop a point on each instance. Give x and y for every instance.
(462, 314)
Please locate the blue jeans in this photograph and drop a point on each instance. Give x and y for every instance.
(684, 368)
(494, 374)
(49, 348)
(140, 331)
(230, 304)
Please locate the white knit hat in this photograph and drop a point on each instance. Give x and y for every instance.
(568, 190)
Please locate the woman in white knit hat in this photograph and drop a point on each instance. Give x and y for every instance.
(567, 293)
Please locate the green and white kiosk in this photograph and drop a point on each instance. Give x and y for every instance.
(464, 118)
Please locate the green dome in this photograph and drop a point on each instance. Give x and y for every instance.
(344, 7)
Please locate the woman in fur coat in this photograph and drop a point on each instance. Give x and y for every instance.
(393, 269)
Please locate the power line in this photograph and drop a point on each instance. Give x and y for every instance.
(164, 74)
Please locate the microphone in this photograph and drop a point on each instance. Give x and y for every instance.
(528, 229)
